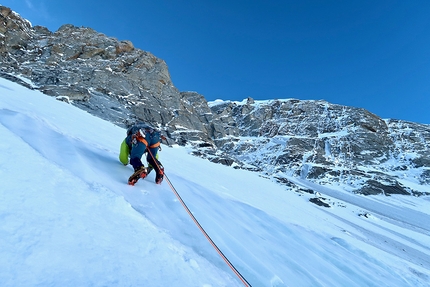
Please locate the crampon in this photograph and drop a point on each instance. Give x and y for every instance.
(138, 174)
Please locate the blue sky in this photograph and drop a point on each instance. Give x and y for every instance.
(368, 54)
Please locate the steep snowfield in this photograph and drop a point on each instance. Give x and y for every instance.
(68, 218)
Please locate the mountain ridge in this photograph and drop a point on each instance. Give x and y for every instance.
(311, 139)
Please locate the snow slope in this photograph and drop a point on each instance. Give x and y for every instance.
(68, 218)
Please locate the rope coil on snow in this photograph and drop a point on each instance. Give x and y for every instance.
(240, 276)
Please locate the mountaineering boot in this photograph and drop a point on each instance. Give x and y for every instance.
(139, 173)
(149, 169)
(160, 175)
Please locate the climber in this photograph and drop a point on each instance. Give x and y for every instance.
(142, 138)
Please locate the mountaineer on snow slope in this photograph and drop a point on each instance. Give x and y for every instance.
(141, 139)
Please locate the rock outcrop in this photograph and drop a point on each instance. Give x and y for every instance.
(326, 143)
(109, 78)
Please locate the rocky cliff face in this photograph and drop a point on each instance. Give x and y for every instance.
(109, 78)
(314, 140)
(326, 143)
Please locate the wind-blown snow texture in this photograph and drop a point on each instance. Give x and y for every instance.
(68, 218)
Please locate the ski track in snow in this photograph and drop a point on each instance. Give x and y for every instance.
(412, 221)
(415, 219)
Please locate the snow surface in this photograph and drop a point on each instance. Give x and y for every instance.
(68, 217)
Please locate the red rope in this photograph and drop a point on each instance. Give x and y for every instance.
(240, 276)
